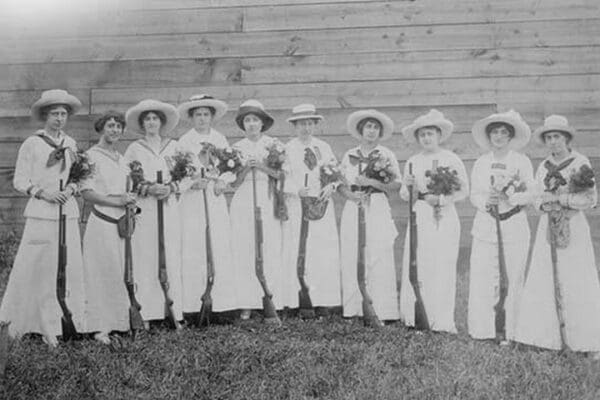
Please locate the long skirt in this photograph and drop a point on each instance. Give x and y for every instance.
(437, 254)
(145, 259)
(380, 267)
(580, 291)
(107, 302)
(249, 292)
(193, 250)
(484, 285)
(322, 263)
(30, 302)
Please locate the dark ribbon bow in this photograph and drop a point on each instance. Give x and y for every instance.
(57, 155)
(310, 158)
(359, 158)
(554, 178)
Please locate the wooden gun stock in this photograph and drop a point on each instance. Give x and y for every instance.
(206, 308)
(136, 321)
(557, 291)
(304, 301)
(499, 307)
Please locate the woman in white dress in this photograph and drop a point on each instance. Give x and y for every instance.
(107, 302)
(203, 111)
(573, 294)
(438, 225)
(254, 121)
(500, 178)
(369, 127)
(306, 154)
(155, 119)
(30, 302)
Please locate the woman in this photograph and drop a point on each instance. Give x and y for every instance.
(107, 303)
(254, 121)
(155, 120)
(499, 183)
(203, 111)
(369, 127)
(573, 294)
(438, 226)
(44, 159)
(306, 154)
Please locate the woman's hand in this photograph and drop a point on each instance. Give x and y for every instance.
(220, 187)
(200, 183)
(57, 197)
(432, 199)
(362, 180)
(303, 192)
(159, 191)
(326, 192)
(409, 180)
(126, 199)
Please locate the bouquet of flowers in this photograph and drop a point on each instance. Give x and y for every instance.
(81, 169)
(182, 166)
(275, 155)
(274, 160)
(228, 160)
(379, 167)
(330, 174)
(138, 182)
(510, 185)
(442, 181)
(582, 180)
(207, 154)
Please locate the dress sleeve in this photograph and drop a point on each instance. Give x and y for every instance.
(23, 179)
(479, 186)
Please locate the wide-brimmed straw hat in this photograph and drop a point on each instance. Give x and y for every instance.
(304, 111)
(254, 107)
(387, 125)
(432, 118)
(555, 123)
(55, 97)
(512, 118)
(133, 114)
(203, 100)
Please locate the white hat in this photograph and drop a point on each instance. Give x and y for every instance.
(555, 123)
(55, 96)
(132, 115)
(203, 100)
(304, 111)
(512, 118)
(387, 125)
(253, 107)
(432, 118)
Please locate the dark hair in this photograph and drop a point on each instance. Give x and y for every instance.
(107, 116)
(192, 110)
(437, 129)
(361, 125)
(566, 134)
(46, 110)
(161, 115)
(493, 125)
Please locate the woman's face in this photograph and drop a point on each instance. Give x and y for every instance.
(499, 137)
(252, 126)
(556, 142)
(429, 138)
(371, 132)
(112, 131)
(305, 127)
(56, 118)
(202, 118)
(151, 123)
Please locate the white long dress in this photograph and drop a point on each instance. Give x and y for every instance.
(145, 239)
(322, 265)
(30, 301)
(248, 289)
(484, 272)
(107, 302)
(193, 235)
(380, 236)
(577, 275)
(438, 244)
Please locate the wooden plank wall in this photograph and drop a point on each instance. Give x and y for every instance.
(468, 58)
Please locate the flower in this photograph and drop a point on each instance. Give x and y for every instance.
(81, 169)
(183, 166)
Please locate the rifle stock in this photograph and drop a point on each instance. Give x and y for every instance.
(206, 308)
(499, 307)
(557, 292)
(421, 320)
(162, 260)
(68, 327)
(304, 300)
(136, 322)
(270, 313)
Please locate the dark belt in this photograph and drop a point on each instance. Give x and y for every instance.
(421, 195)
(505, 215)
(104, 217)
(369, 189)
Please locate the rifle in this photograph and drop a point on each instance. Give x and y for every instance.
(68, 327)
(304, 301)
(270, 314)
(557, 292)
(499, 309)
(135, 318)
(162, 260)
(421, 320)
(369, 315)
(206, 308)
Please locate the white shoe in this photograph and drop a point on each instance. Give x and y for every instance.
(51, 341)
(102, 337)
(245, 315)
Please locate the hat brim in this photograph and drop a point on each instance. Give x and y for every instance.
(265, 118)
(301, 117)
(133, 114)
(69, 100)
(539, 132)
(520, 140)
(445, 125)
(387, 125)
(219, 106)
